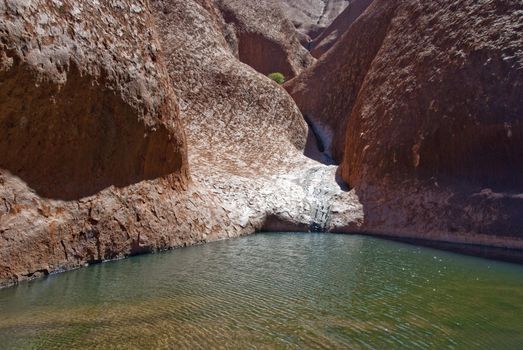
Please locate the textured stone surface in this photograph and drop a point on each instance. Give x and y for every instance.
(246, 134)
(323, 42)
(428, 97)
(266, 40)
(439, 114)
(420, 102)
(327, 92)
(93, 161)
(311, 17)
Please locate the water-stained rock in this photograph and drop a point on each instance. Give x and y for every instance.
(427, 98)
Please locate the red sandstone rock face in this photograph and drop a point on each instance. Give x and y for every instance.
(245, 133)
(460, 93)
(226, 106)
(323, 42)
(67, 99)
(428, 96)
(265, 39)
(93, 161)
(327, 92)
(311, 17)
(103, 172)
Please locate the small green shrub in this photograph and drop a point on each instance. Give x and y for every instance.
(277, 77)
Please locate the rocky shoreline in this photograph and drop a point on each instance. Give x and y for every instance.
(135, 126)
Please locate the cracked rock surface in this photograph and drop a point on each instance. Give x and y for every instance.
(93, 157)
(245, 133)
(265, 39)
(130, 127)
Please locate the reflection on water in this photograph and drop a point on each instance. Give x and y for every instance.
(273, 291)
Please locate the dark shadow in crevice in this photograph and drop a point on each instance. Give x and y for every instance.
(315, 147)
(71, 141)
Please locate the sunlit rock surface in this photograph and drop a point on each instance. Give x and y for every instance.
(246, 134)
(93, 160)
(130, 126)
(327, 92)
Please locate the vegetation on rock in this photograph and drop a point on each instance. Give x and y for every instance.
(277, 77)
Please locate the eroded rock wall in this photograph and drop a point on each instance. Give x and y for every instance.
(436, 132)
(418, 101)
(246, 134)
(266, 39)
(427, 98)
(327, 92)
(93, 160)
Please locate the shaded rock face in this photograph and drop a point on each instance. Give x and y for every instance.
(266, 40)
(428, 96)
(323, 42)
(100, 120)
(461, 98)
(93, 161)
(311, 17)
(326, 93)
(91, 140)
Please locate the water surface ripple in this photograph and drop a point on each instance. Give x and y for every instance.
(296, 291)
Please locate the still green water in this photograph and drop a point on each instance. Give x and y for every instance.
(273, 291)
